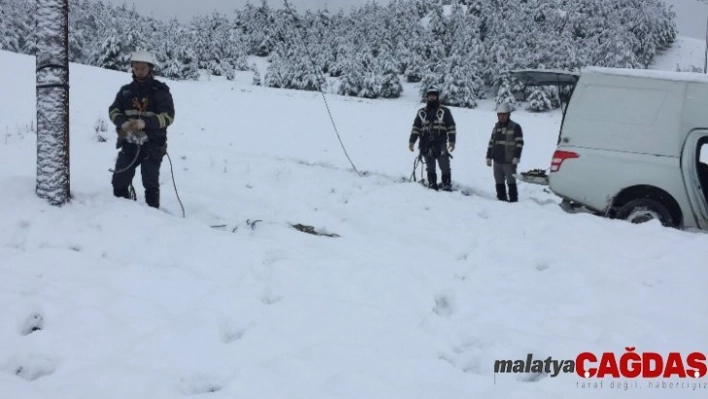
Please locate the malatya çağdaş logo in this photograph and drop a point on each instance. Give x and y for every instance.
(630, 364)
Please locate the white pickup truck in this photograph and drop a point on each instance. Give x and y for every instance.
(633, 144)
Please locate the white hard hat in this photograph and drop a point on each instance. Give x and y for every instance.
(504, 108)
(432, 90)
(143, 56)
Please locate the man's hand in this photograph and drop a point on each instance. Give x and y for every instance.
(138, 138)
(411, 146)
(137, 124)
(489, 162)
(130, 126)
(515, 161)
(451, 147)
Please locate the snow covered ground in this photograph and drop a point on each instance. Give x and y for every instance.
(416, 298)
(686, 54)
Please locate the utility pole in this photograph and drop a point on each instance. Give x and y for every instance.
(52, 73)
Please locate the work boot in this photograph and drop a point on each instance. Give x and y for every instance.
(446, 182)
(125, 192)
(501, 192)
(152, 197)
(433, 181)
(513, 193)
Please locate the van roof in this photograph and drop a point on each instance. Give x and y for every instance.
(648, 74)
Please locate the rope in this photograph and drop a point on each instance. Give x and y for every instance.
(419, 160)
(115, 172)
(298, 25)
(172, 172)
(175, 184)
(416, 161)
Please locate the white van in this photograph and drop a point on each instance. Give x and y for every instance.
(633, 144)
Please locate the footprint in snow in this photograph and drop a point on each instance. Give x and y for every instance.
(443, 306)
(231, 333)
(542, 266)
(33, 322)
(199, 385)
(269, 298)
(31, 368)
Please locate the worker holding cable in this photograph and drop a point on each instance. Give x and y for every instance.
(141, 112)
(435, 127)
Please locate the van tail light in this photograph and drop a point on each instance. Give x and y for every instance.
(560, 156)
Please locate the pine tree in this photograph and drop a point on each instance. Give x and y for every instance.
(422, 37)
(433, 78)
(415, 70)
(461, 87)
(256, 76)
(276, 74)
(505, 94)
(539, 101)
(391, 86)
(180, 63)
(111, 54)
(352, 78)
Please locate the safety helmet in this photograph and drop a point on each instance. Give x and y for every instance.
(432, 90)
(504, 108)
(143, 56)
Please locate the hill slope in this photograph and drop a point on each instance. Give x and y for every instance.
(416, 298)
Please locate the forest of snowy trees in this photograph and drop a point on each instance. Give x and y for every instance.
(464, 47)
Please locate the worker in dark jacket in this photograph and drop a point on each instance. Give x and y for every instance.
(504, 150)
(435, 127)
(141, 112)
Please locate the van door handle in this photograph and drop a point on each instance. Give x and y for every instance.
(566, 140)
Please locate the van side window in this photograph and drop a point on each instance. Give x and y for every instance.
(703, 166)
(619, 105)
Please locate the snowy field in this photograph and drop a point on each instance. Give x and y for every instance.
(417, 297)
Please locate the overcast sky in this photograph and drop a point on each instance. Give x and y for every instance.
(185, 9)
(691, 15)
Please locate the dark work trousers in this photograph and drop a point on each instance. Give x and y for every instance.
(438, 153)
(149, 159)
(504, 172)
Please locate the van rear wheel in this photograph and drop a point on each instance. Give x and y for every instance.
(643, 210)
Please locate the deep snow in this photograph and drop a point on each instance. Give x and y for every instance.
(416, 298)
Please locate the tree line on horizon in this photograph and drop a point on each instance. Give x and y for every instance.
(464, 47)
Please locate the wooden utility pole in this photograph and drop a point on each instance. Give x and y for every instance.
(53, 183)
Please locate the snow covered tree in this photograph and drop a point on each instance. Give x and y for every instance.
(615, 51)
(17, 26)
(180, 63)
(391, 86)
(420, 36)
(276, 73)
(415, 69)
(539, 101)
(111, 55)
(371, 87)
(171, 45)
(505, 94)
(258, 25)
(352, 78)
(433, 77)
(53, 183)
(256, 76)
(461, 87)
